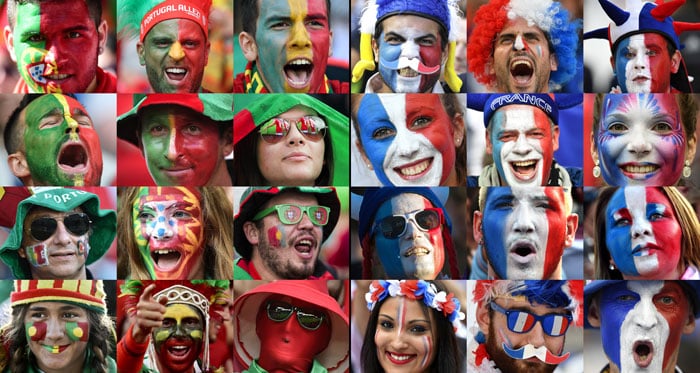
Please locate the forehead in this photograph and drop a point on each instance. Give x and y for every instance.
(179, 310)
(297, 112)
(287, 8)
(63, 14)
(521, 117)
(647, 39)
(404, 203)
(413, 307)
(411, 25)
(522, 303)
(652, 103)
(303, 199)
(38, 211)
(176, 28)
(54, 306)
(636, 197)
(520, 26)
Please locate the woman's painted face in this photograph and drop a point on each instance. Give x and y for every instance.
(405, 336)
(643, 234)
(418, 252)
(169, 231)
(642, 323)
(407, 138)
(640, 140)
(295, 159)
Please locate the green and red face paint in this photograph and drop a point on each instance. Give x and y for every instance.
(75, 331)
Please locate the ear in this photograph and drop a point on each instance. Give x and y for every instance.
(330, 45)
(375, 50)
(227, 142)
(18, 165)
(676, 61)
(691, 147)
(140, 52)
(571, 225)
(10, 42)
(358, 143)
(594, 150)
(489, 67)
(553, 63)
(612, 63)
(477, 226)
(248, 46)
(206, 58)
(22, 253)
(593, 315)
(489, 145)
(689, 326)
(483, 318)
(458, 128)
(555, 137)
(102, 33)
(251, 232)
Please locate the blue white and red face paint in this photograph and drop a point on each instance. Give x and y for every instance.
(643, 65)
(407, 138)
(642, 233)
(404, 336)
(417, 253)
(524, 231)
(523, 145)
(640, 140)
(542, 353)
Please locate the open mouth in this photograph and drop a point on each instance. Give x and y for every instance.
(179, 351)
(524, 170)
(637, 171)
(73, 158)
(407, 72)
(643, 353)
(521, 71)
(523, 252)
(304, 247)
(298, 72)
(166, 259)
(414, 170)
(417, 251)
(176, 73)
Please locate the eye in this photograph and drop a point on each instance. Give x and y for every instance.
(537, 134)
(506, 40)
(34, 38)
(383, 133)
(622, 222)
(651, 53)
(626, 298)
(180, 214)
(617, 127)
(421, 122)
(189, 44)
(193, 129)
(280, 25)
(656, 216)
(385, 324)
(74, 35)
(145, 216)
(418, 329)
(158, 130)
(393, 39)
(630, 54)
(191, 322)
(69, 315)
(506, 137)
(426, 42)
(316, 25)
(37, 315)
(50, 121)
(666, 300)
(662, 128)
(168, 323)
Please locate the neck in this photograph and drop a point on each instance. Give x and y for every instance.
(221, 176)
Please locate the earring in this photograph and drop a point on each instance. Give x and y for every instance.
(686, 169)
(458, 140)
(596, 170)
(612, 266)
(369, 165)
(100, 50)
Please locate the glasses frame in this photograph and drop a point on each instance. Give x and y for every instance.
(538, 319)
(56, 220)
(284, 220)
(411, 216)
(296, 310)
(318, 136)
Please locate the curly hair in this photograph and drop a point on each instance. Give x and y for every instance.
(101, 341)
(218, 225)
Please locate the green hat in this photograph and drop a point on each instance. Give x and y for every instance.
(254, 110)
(103, 227)
(215, 106)
(255, 197)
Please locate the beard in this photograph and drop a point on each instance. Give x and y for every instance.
(283, 267)
(509, 365)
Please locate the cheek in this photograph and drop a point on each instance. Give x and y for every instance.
(389, 52)
(276, 236)
(36, 331)
(427, 344)
(431, 56)
(321, 43)
(202, 149)
(78, 331)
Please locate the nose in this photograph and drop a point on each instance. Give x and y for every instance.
(62, 237)
(54, 329)
(522, 146)
(640, 228)
(406, 148)
(305, 222)
(173, 152)
(410, 49)
(535, 336)
(163, 229)
(412, 231)
(299, 36)
(646, 319)
(523, 220)
(294, 136)
(176, 51)
(639, 61)
(639, 144)
(519, 44)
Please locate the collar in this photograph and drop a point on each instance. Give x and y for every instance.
(250, 268)
(254, 83)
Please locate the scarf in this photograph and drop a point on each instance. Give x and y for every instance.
(254, 83)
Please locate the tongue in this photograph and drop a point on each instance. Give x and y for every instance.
(299, 76)
(168, 261)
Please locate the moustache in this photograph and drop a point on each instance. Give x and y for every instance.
(414, 63)
(542, 353)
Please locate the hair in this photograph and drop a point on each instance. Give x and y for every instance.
(250, 11)
(452, 107)
(14, 134)
(94, 8)
(687, 220)
(218, 246)
(448, 357)
(100, 342)
(444, 35)
(568, 199)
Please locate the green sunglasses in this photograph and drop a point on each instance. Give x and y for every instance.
(290, 213)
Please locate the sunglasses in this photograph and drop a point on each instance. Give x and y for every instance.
(42, 228)
(276, 129)
(520, 322)
(281, 311)
(290, 213)
(395, 226)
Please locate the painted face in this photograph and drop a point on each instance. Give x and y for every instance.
(640, 140)
(289, 251)
(407, 138)
(293, 39)
(500, 336)
(55, 44)
(169, 231)
(522, 60)
(57, 334)
(522, 142)
(410, 53)
(287, 343)
(60, 256)
(525, 231)
(405, 337)
(418, 252)
(179, 145)
(642, 323)
(175, 53)
(643, 234)
(61, 144)
(296, 159)
(645, 64)
(178, 341)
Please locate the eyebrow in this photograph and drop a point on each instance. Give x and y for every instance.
(529, 310)
(65, 307)
(423, 36)
(625, 118)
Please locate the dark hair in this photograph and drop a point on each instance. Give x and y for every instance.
(444, 36)
(13, 136)
(250, 11)
(448, 357)
(94, 8)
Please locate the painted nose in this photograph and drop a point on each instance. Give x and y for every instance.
(162, 229)
(519, 44)
(174, 151)
(524, 221)
(639, 144)
(176, 51)
(299, 36)
(522, 146)
(410, 49)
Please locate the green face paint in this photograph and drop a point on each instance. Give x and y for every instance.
(182, 327)
(139, 233)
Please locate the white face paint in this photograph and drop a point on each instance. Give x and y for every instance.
(411, 153)
(643, 324)
(519, 45)
(520, 151)
(527, 229)
(637, 71)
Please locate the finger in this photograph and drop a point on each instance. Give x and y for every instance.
(147, 292)
(163, 300)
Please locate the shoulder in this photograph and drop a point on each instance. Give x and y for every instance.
(339, 87)
(106, 82)
(239, 83)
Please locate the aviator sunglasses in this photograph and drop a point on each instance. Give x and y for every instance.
(520, 322)
(276, 129)
(280, 311)
(42, 228)
(395, 226)
(290, 213)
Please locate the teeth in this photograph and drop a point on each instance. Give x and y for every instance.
(640, 169)
(524, 163)
(176, 70)
(401, 358)
(526, 63)
(415, 170)
(408, 72)
(57, 76)
(305, 242)
(300, 62)
(417, 251)
(179, 347)
(164, 252)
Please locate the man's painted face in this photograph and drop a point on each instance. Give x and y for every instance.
(419, 252)
(169, 231)
(406, 336)
(286, 343)
(293, 40)
(178, 341)
(57, 334)
(180, 146)
(175, 53)
(522, 141)
(60, 142)
(410, 53)
(55, 44)
(642, 233)
(522, 61)
(643, 65)
(640, 140)
(525, 230)
(642, 323)
(407, 138)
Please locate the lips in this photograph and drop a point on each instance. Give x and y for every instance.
(639, 170)
(176, 73)
(408, 72)
(298, 72)
(166, 259)
(645, 249)
(524, 170)
(296, 157)
(643, 353)
(523, 251)
(521, 70)
(57, 256)
(415, 169)
(73, 158)
(400, 359)
(305, 246)
(417, 251)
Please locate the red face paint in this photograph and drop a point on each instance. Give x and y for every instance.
(556, 217)
(274, 236)
(36, 331)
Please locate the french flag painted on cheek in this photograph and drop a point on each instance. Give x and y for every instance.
(556, 224)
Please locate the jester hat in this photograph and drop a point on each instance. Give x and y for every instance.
(444, 12)
(88, 294)
(254, 198)
(374, 198)
(103, 226)
(138, 17)
(246, 344)
(548, 15)
(645, 17)
(255, 110)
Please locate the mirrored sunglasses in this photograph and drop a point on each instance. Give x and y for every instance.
(518, 321)
(276, 129)
(280, 311)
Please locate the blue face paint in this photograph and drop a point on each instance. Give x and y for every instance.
(621, 61)
(616, 301)
(388, 57)
(499, 205)
(388, 250)
(375, 133)
(617, 237)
